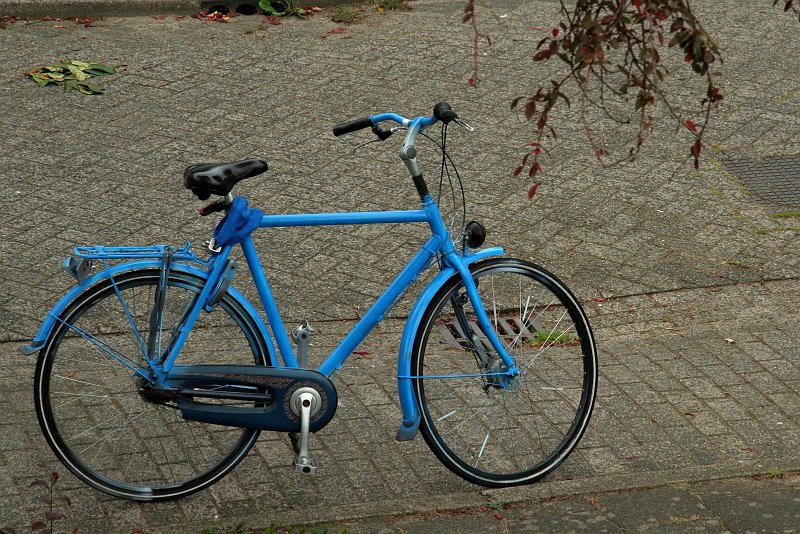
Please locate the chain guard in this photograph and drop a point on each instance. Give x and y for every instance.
(264, 392)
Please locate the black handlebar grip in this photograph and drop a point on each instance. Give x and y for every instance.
(443, 112)
(352, 126)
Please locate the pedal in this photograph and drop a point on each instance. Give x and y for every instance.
(305, 402)
(305, 465)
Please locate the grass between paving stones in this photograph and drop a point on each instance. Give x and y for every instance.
(789, 214)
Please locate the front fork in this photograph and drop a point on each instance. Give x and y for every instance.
(488, 363)
(498, 367)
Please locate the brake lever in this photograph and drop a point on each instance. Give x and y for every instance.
(382, 136)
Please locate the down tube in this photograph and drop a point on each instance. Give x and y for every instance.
(376, 312)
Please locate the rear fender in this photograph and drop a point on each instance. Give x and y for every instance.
(51, 319)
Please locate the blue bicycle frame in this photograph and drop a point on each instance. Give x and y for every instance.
(439, 245)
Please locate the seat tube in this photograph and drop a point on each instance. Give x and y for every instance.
(268, 302)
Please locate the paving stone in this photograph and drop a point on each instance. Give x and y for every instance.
(684, 259)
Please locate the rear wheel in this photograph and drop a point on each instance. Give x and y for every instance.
(491, 430)
(92, 394)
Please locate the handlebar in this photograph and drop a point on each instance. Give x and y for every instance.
(408, 152)
(441, 112)
(352, 126)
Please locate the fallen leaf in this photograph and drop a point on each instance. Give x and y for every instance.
(70, 74)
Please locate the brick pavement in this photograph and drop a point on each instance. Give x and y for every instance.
(685, 259)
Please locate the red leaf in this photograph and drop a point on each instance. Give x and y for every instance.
(691, 125)
(540, 124)
(637, 4)
(532, 190)
(471, 82)
(530, 109)
(541, 55)
(555, 32)
(697, 147)
(518, 170)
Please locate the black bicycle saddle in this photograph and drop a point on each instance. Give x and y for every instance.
(208, 179)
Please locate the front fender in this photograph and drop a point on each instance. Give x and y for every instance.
(51, 319)
(408, 401)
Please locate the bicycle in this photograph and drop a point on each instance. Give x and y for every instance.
(155, 375)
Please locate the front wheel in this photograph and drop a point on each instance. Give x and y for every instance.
(490, 429)
(96, 407)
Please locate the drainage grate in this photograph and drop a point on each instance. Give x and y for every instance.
(510, 329)
(775, 181)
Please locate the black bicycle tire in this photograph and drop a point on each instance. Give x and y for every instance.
(428, 428)
(80, 305)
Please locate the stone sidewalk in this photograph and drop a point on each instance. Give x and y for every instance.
(692, 286)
